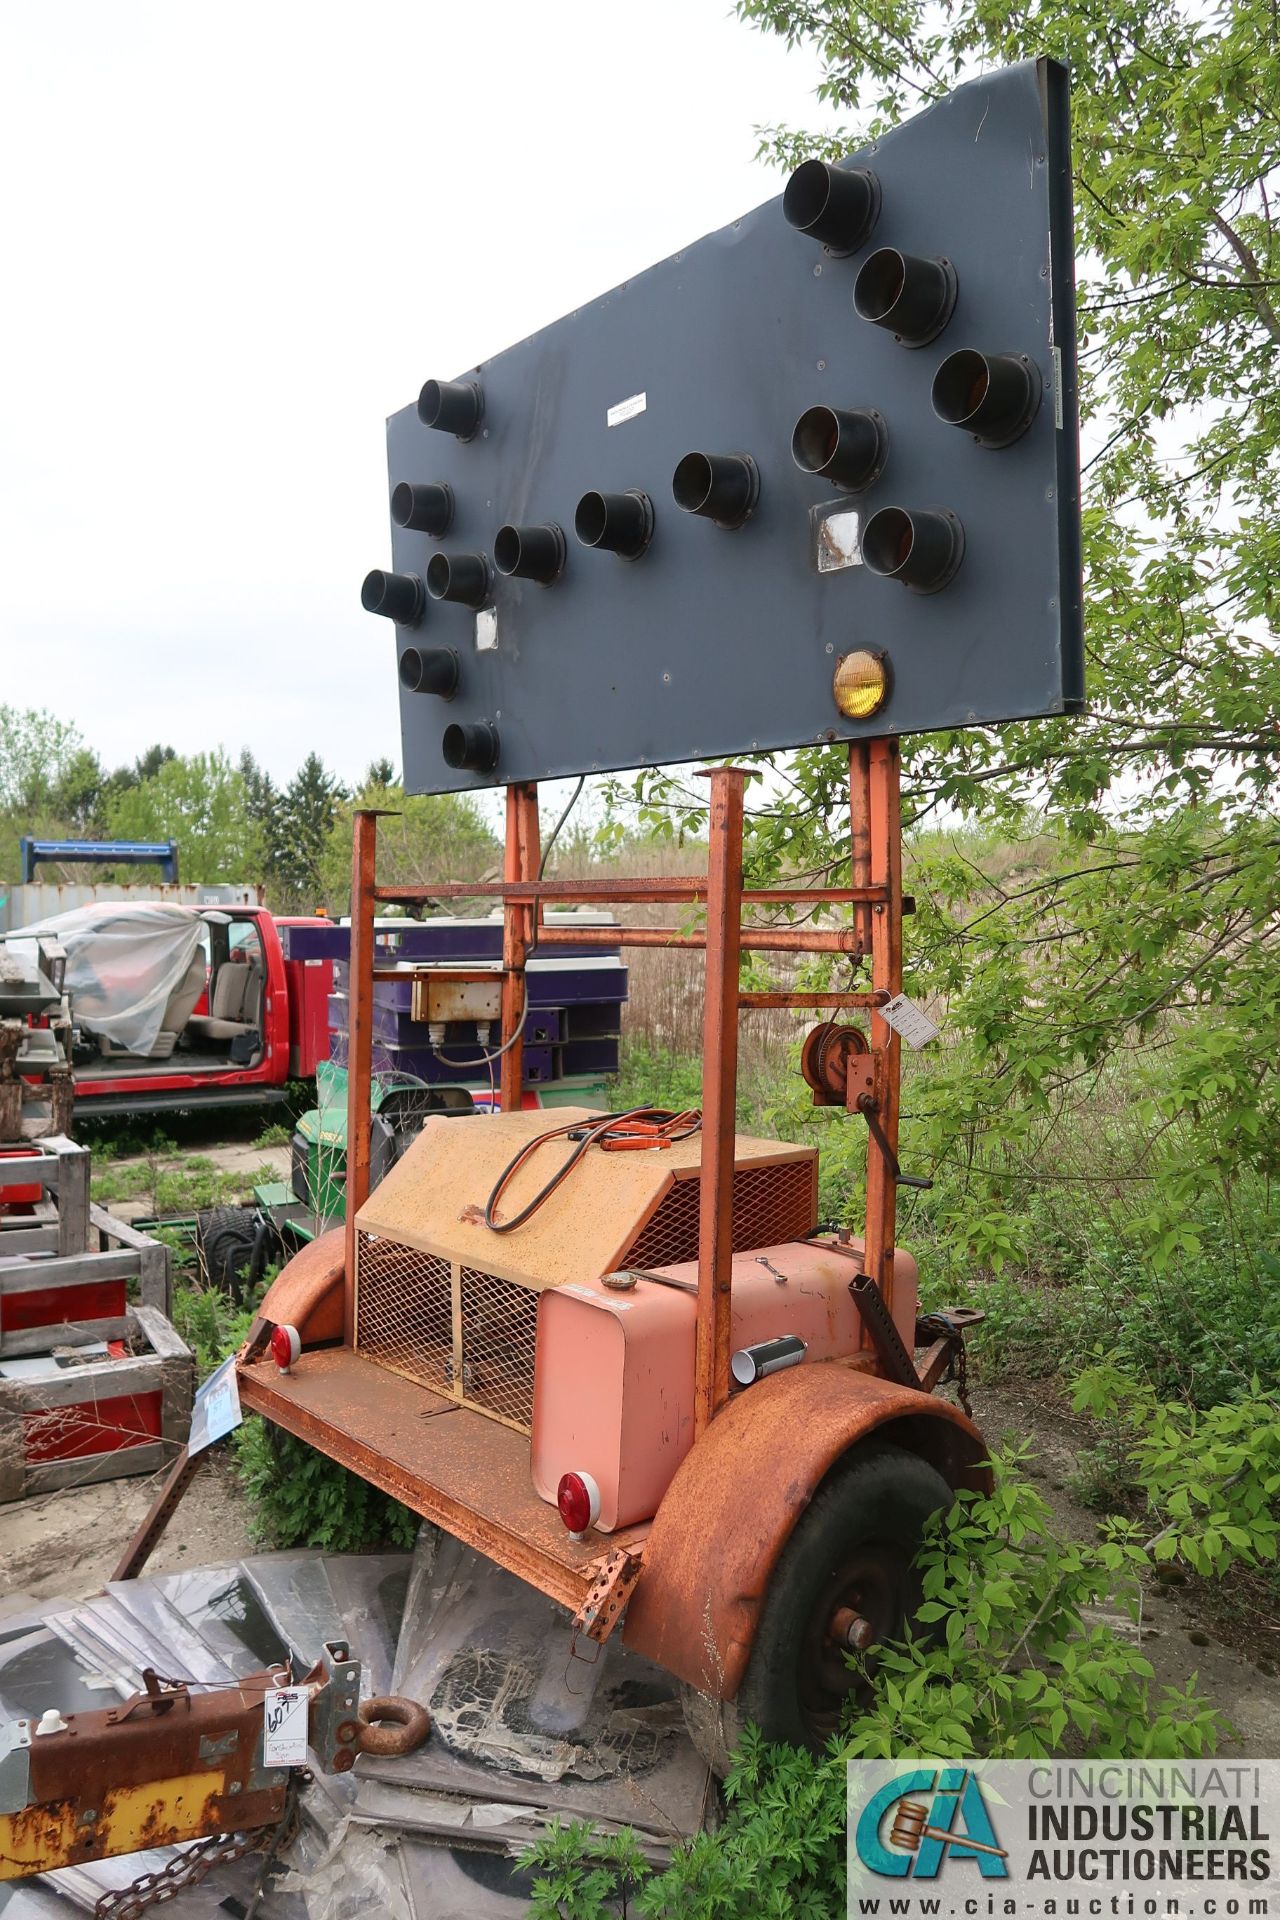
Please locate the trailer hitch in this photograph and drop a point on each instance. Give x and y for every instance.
(177, 1763)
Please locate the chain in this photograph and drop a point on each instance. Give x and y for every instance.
(960, 1377)
(957, 1375)
(189, 1868)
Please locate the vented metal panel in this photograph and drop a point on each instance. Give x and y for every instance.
(404, 1311)
(499, 1324)
(770, 1205)
(470, 1335)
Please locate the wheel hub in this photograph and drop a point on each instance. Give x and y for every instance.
(863, 1602)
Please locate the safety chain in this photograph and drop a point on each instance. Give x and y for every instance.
(189, 1868)
(960, 1377)
(935, 1325)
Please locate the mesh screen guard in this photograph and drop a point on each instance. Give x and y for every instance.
(469, 1335)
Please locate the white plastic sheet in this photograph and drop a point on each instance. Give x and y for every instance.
(123, 962)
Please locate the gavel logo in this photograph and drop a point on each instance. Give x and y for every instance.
(911, 1826)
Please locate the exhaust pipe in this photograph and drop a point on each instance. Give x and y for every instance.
(922, 549)
(848, 449)
(453, 406)
(530, 553)
(460, 576)
(471, 749)
(910, 297)
(429, 670)
(838, 206)
(723, 487)
(620, 523)
(399, 596)
(425, 509)
(993, 396)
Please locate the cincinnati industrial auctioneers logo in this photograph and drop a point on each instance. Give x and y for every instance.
(932, 1815)
(1063, 1839)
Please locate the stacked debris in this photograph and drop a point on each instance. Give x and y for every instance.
(94, 1381)
(525, 1729)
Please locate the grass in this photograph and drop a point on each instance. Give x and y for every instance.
(175, 1183)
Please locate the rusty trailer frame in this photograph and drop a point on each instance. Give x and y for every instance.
(693, 1604)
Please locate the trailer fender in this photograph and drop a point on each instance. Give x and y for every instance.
(307, 1293)
(738, 1493)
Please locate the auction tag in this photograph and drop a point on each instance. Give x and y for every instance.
(284, 1739)
(911, 1021)
(217, 1408)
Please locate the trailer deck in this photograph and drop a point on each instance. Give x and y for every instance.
(460, 1469)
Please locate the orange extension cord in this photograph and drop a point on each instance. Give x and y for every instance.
(637, 1130)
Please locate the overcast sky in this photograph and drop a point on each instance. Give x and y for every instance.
(236, 238)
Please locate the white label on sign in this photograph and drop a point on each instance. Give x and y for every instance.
(626, 409)
(911, 1021)
(838, 544)
(486, 629)
(1057, 388)
(284, 1718)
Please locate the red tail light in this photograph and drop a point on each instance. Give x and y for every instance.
(578, 1498)
(286, 1347)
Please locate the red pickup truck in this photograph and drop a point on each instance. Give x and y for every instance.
(239, 1023)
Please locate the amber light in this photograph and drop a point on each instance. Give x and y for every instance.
(860, 684)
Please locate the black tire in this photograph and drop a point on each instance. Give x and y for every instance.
(226, 1243)
(853, 1546)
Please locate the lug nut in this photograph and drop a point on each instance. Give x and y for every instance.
(849, 1629)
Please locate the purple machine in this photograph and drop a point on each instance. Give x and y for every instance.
(572, 1031)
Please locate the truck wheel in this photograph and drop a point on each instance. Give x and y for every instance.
(846, 1572)
(226, 1245)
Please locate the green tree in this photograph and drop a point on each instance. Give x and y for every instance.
(304, 820)
(79, 792)
(265, 803)
(36, 752)
(381, 773)
(1138, 949)
(429, 836)
(200, 801)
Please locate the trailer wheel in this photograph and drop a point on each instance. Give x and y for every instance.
(845, 1574)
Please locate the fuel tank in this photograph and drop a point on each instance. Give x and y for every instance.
(613, 1373)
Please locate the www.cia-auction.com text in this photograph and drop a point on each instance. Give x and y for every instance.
(1048, 1839)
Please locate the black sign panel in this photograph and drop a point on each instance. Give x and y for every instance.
(771, 492)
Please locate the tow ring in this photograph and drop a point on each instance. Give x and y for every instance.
(391, 1726)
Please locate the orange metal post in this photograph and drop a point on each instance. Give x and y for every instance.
(885, 821)
(520, 862)
(719, 1093)
(359, 1045)
(860, 831)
